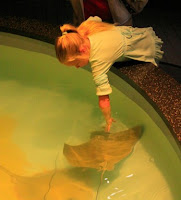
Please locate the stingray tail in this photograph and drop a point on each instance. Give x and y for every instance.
(101, 180)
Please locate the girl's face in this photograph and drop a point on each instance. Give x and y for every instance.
(82, 59)
(77, 62)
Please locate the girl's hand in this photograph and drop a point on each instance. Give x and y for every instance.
(104, 104)
(108, 124)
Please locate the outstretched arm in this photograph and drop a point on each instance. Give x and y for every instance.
(104, 105)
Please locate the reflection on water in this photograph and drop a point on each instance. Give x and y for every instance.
(73, 183)
(64, 186)
(23, 173)
(11, 154)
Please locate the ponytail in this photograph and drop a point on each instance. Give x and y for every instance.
(67, 45)
(68, 28)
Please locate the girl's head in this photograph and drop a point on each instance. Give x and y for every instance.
(73, 47)
(70, 46)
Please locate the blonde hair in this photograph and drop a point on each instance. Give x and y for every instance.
(67, 46)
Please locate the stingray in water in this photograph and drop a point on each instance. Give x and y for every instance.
(103, 150)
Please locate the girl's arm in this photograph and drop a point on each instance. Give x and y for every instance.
(104, 104)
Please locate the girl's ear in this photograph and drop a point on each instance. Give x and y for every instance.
(82, 49)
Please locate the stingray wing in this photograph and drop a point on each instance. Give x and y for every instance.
(103, 152)
(84, 155)
(120, 145)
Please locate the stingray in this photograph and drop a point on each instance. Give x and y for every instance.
(103, 150)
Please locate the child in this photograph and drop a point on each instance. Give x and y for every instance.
(101, 44)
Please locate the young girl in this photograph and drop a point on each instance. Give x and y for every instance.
(101, 44)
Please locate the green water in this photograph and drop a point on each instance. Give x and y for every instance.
(42, 106)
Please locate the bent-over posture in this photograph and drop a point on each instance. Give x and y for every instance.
(101, 44)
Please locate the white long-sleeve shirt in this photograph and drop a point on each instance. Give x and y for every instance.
(117, 45)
